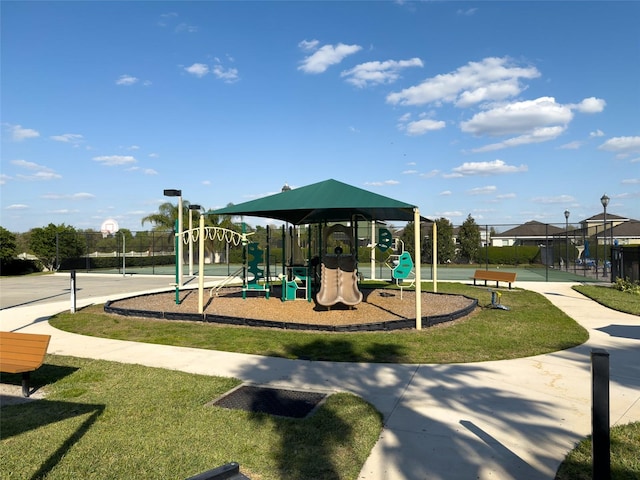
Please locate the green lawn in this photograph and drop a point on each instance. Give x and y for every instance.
(532, 326)
(626, 302)
(105, 420)
(625, 456)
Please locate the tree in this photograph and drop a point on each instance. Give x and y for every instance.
(446, 246)
(53, 243)
(8, 246)
(408, 237)
(469, 236)
(165, 218)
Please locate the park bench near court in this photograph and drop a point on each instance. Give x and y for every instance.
(22, 353)
(494, 276)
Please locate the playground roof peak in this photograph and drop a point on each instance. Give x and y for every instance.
(326, 201)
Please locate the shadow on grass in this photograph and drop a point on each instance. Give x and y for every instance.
(299, 456)
(45, 375)
(17, 419)
(345, 351)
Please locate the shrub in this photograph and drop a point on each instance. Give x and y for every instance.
(625, 285)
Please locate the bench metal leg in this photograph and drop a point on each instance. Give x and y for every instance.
(25, 384)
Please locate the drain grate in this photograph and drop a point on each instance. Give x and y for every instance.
(274, 401)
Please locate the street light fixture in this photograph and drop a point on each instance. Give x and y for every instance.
(605, 201)
(191, 209)
(566, 236)
(177, 193)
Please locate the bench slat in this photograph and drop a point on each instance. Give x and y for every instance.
(16, 368)
(25, 349)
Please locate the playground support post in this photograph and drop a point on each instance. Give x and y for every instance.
(190, 242)
(201, 265)
(178, 241)
(373, 249)
(435, 256)
(416, 239)
(124, 255)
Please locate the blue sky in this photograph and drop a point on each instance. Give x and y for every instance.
(508, 111)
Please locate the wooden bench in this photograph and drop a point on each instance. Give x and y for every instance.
(22, 353)
(494, 276)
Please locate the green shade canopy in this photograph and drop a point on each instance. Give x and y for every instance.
(327, 201)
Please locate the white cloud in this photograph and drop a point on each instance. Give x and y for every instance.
(73, 196)
(468, 12)
(198, 69)
(383, 183)
(308, 45)
(154, 155)
(597, 133)
(445, 193)
(576, 144)
(114, 160)
(409, 172)
(565, 199)
(164, 17)
(430, 174)
(495, 167)
(622, 145)
(28, 165)
(539, 135)
(126, 80)
(229, 75)
(491, 79)
(378, 73)
(449, 214)
(420, 127)
(4, 178)
(42, 173)
(631, 181)
(18, 133)
(67, 138)
(518, 117)
(591, 105)
(506, 196)
(184, 27)
(17, 206)
(488, 190)
(325, 56)
(150, 171)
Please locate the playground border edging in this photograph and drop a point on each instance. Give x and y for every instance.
(388, 325)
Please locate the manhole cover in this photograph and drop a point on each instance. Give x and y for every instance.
(274, 401)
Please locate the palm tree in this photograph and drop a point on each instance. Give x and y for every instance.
(167, 215)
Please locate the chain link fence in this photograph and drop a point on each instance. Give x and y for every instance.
(591, 252)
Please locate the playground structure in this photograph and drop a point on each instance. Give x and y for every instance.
(401, 265)
(328, 269)
(332, 276)
(331, 202)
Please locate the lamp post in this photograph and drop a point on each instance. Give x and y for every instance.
(566, 237)
(605, 201)
(191, 209)
(177, 193)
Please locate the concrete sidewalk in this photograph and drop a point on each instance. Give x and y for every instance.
(513, 419)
